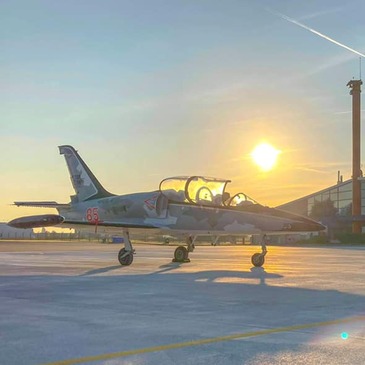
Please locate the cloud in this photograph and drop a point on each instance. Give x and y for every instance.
(333, 62)
(311, 170)
(323, 168)
(320, 13)
(347, 112)
(221, 94)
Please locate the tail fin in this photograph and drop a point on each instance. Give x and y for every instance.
(86, 185)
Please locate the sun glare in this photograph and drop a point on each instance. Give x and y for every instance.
(265, 156)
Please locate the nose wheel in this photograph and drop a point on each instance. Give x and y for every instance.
(258, 259)
(125, 255)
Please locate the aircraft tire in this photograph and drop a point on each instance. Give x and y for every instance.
(257, 259)
(181, 254)
(126, 260)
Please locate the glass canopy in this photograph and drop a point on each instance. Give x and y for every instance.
(202, 191)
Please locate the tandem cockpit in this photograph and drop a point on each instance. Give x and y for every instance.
(200, 190)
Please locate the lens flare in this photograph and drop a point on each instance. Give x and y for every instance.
(344, 335)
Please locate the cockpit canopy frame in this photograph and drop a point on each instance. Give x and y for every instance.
(201, 190)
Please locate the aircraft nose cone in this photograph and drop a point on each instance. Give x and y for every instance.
(320, 227)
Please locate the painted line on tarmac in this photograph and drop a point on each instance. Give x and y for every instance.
(205, 341)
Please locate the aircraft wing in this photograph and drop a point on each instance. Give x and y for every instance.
(80, 224)
(43, 204)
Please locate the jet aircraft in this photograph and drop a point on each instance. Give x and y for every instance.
(188, 205)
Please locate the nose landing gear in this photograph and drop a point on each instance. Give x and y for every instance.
(125, 255)
(258, 259)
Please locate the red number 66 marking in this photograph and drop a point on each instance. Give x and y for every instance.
(92, 215)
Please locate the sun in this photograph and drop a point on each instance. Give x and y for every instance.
(265, 156)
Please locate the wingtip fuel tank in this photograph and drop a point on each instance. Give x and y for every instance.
(35, 221)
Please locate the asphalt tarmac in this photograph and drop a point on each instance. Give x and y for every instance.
(72, 303)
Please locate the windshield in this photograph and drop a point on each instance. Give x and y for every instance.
(174, 188)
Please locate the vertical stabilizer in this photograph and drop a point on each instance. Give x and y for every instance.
(84, 182)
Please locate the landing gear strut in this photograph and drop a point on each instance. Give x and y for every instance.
(181, 253)
(125, 255)
(258, 259)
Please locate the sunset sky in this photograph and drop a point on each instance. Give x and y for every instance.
(150, 89)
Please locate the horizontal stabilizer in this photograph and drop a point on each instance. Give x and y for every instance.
(45, 204)
(35, 221)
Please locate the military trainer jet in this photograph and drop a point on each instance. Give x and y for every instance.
(191, 206)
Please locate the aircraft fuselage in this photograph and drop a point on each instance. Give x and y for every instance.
(152, 210)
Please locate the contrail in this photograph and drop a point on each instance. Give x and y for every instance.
(315, 32)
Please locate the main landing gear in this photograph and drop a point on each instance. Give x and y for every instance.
(181, 253)
(125, 255)
(258, 259)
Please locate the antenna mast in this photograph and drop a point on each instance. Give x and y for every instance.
(360, 67)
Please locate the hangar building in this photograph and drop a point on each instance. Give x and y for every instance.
(341, 196)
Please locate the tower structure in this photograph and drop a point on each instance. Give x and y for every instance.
(355, 92)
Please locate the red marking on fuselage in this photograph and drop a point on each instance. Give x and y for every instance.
(151, 202)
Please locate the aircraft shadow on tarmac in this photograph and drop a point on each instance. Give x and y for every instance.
(255, 273)
(137, 311)
(102, 270)
(212, 275)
